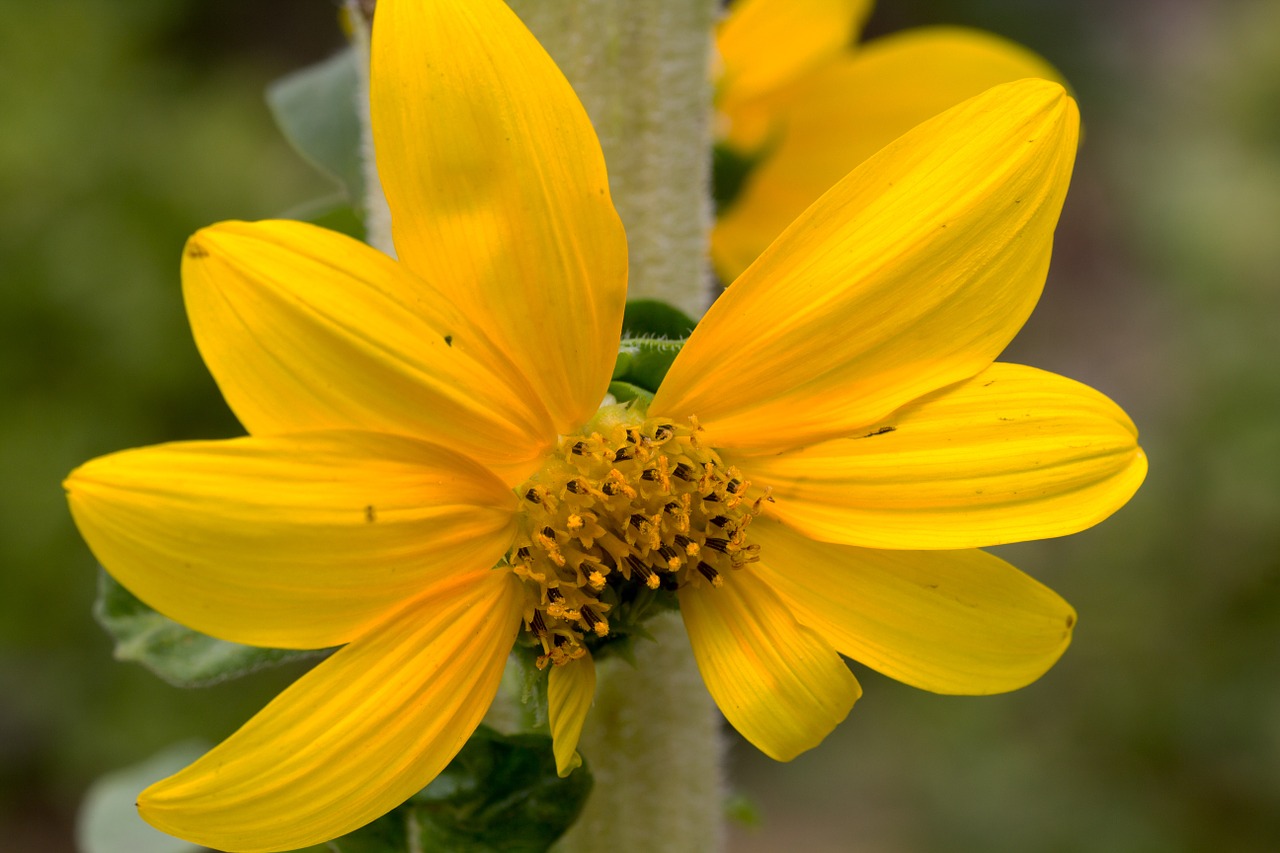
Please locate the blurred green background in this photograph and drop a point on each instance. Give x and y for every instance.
(128, 125)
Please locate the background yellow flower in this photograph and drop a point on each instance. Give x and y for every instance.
(803, 103)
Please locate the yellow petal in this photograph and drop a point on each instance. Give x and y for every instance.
(290, 541)
(305, 329)
(779, 684)
(1012, 454)
(947, 621)
(912, 273)
(570, 691)
(498, 191)
(847, 110)
(356, 736)
(765, 44)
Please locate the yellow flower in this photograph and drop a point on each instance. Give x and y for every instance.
(812, 479)
(794, 94)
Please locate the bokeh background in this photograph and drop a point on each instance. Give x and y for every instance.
(125, 126)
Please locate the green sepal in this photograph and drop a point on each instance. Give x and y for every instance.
(651, 318)
(642, 363)
(625, 392)
(631, 604)
(500, 794)
(315, 109)
(526, 685)
(179, 655)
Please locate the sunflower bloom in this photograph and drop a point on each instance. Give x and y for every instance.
(796, 96)
(430, 477)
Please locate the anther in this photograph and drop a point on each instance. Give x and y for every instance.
(575, 486)
(720, 521)
(645, 573)
(649, 474)
(579, 448)
(715, 543)
(620, 481)
(662, 432)
(622, 454)
(546, 540)
(594, 622)
(532, 496)
(690, 547)
(637, 520)
(684, 471)
(537, 625)
(609, 488)
(710, 574)
(671, 555)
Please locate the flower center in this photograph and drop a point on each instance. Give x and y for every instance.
(620, 517)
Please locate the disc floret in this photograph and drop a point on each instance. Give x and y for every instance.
(626, 505)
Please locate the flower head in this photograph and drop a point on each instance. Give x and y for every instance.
(430, 477)
(806, 105)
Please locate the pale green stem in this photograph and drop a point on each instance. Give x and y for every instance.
(642, 70)
(653, 742)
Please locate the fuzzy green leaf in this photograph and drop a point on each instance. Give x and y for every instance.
(179, 655)
(500, 794)
(315, 109)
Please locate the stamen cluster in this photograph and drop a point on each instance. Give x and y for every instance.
(624, 507)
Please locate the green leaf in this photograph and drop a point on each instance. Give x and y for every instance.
(332, 211)
(315, 108)
(500, 794)
(387, 834)
(179, 655)
(643, 362)
(108, 821)
(649, 318)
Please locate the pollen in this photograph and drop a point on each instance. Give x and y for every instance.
(627, 508)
